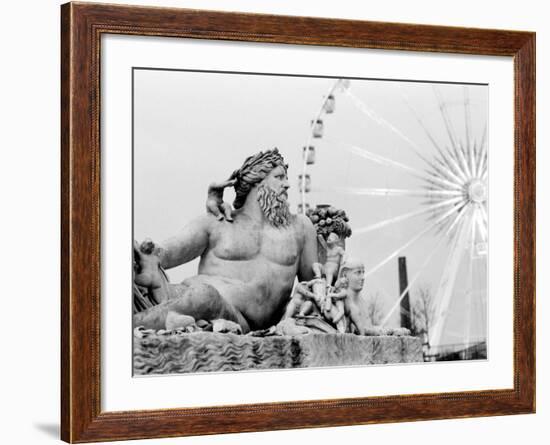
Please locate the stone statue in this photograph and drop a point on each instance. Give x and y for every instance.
(332, 305)
(249, 258)
(302, 302)
(351, 282)
(146, 269)
(335, 254)
(335, 310)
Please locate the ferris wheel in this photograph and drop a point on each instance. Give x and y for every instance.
(448, 184)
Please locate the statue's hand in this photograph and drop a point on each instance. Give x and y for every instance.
(215, 203)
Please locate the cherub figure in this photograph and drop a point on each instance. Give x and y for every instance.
(335, 255)
(302, 301)
(335, 309)
(147, 269)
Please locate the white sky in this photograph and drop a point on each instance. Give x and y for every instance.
(194, 128)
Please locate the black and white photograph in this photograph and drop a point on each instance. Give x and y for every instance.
(286, 221)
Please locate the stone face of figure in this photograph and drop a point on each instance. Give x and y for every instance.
(248, 265)
(352, 278)
(356, 279)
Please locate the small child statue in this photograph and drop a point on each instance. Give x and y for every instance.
(350, 285)
(335, 309)
(147, 270)
(335, 255)
(332, 304)
(302, 301)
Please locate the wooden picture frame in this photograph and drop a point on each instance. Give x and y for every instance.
(82, 26)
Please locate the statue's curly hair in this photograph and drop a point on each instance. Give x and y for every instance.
(254, 170)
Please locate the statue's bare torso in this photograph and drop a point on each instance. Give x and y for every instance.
(252, 266)
(250, 263)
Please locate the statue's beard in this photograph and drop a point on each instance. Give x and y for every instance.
(274, 206)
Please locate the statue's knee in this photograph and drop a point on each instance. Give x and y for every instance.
(198, 298)
(175, 320)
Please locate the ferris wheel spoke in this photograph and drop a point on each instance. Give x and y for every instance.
(442, 183)
(482, 152)
(380, 287)
(409, 242)
(406, 216)
(434, 194)
(360, 151)
(472, 160)
(439, 168)
(447, 282)
(469, 289)
(463, 161)
(448, 160)
(418, 118)
(416, 276)
(364, 153)
(484, 166)
(481, 221)
(484, 215)
(481, 162)
(455, 160)
(467, 115)
(412, 281)
(446, 168)
(477, 156)
(445, 116)
(484, 136)
(449, 225)
(373, 116)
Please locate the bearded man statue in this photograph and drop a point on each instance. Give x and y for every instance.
(250, 255)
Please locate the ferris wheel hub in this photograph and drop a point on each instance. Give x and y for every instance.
(477, 191)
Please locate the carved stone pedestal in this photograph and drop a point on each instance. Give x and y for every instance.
(178, 352)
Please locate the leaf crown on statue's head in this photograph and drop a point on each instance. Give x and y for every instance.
(253, 171)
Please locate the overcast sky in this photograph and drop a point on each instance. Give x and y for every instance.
(194, 128)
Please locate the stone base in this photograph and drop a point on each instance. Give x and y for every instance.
(177, 353)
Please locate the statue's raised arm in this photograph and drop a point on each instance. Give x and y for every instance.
(215, 203)
(193, 239)
(188, 244)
